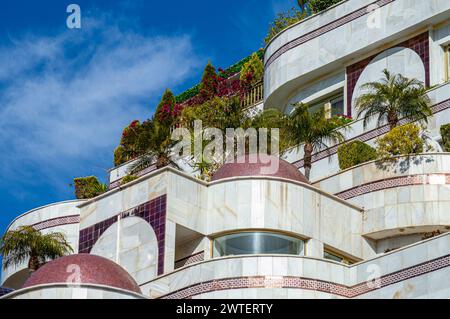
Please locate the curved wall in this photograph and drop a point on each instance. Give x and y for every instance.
(59, 217)
(423, 268)
(409, 196)
(263, 203)
(397, 60)
(132, 244)
(326, 42)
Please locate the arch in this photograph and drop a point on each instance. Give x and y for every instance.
(131, 243)
(398, 60)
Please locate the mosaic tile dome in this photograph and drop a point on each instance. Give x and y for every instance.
(92, 270)
(236, 169)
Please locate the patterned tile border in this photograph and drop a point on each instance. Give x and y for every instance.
(200, 256)
(310, 284)
(409, 180)
(58, 221)
(116, 184)
(324, 29)
(367, 136)
(419, 44)
(153, 212)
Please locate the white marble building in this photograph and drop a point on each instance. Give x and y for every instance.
(365, 232)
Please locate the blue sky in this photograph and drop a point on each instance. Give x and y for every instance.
(65, 95)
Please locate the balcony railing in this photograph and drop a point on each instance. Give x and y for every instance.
(254, 95)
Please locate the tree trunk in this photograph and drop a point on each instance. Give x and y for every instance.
(392, 120)
(308, 148)
(33, 264)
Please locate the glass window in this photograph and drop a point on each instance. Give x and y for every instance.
(314, 108)
(257, 243)
(447, 63)
(336, 103)
(336, 257)
(337, 106)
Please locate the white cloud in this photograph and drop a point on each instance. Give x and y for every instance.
(64, 99)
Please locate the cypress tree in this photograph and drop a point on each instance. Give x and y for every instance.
(167, 99)
(208, 86)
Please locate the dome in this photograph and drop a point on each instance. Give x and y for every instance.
(236, 169)
(92, 270)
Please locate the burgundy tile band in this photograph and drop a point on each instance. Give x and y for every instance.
(190, 259)
(153, 212)
(310, 284)
(324, 29)
(419, 44)
(149, 169)
(367, 136)
(409, 180)
(58, 221)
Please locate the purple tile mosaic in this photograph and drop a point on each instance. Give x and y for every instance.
(153, 212)
(419, 44)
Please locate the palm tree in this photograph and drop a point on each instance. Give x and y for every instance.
(312, 129)
(155, 141)
(393, 98)
(24, 243)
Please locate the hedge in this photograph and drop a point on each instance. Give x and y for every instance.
(401, 140)
(355, 153)
(127, 179)
(235, 68)
(88, 187)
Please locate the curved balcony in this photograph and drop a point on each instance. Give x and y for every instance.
(407, 196)
(268, 203)
(62, 217)
(326, 42)
(282, 276)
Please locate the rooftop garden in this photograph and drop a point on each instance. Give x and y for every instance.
(225, 74)
(217, 102)
(305, 9)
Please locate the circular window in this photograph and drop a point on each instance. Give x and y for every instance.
(257, 243)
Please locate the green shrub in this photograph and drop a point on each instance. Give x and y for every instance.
(355, 153)
(88, 187)
(119, 156)
(128, 179)
(235, 68)
(317, 6)
(252, 71)
(284, 20)
(208, 86)
(168, 99)
(189, 93)
(401, 140)
(445, 133)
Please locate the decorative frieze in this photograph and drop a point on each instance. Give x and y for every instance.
(420, 179)
(324, 29)
(58, 221)
(310, 284)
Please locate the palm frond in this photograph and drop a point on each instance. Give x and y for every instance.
(392, 98)
(16, 246)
